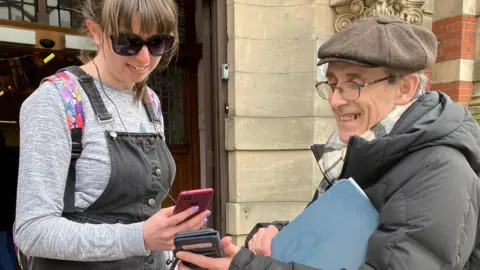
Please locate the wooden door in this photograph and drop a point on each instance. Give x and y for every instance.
(177, 88)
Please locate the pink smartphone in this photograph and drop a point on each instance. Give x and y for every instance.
(189, 198)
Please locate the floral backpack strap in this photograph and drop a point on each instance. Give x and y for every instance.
(155, 110)
(71, 97)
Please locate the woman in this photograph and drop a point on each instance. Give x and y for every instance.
(415, 154)
(125, 169)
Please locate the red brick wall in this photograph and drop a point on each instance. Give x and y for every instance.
(456, 36)
(458, 91)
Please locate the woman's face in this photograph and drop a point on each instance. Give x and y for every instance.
(127, 70)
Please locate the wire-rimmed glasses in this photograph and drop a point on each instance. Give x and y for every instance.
(349, 90)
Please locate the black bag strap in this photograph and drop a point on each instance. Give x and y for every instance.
(86, 82)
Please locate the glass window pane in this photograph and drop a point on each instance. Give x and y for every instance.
(4, 13)
(53, 17)
(67, 14)
(65, 20)
(52, 3)
(169, 86)
(29, 13)
(19, 10)
(77, 19)
(65, 3)
(15, 14)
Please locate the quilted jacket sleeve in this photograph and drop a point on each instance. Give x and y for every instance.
(246, 260)
(431, 221)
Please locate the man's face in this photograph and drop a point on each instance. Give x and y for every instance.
(374, 102)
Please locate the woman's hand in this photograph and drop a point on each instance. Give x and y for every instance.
(261, 242)
(160, 229)
(204, 262)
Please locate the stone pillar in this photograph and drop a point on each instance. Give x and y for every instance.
(427, 10)
(455, 26)
(418, 12)
(273, 108)
(474, 105)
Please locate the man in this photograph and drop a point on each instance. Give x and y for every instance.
(415, 154)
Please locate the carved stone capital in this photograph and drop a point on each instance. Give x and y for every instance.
(408, 10)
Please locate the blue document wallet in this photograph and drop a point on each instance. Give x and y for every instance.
(332, 233)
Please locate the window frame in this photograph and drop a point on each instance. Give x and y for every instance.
(41, 15)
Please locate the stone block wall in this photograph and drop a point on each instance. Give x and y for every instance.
(275, 113)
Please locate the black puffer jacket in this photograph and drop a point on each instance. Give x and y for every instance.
(423, 179)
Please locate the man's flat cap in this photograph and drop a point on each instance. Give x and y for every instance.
(382, 42)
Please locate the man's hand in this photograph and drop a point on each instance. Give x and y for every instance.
(204, 262)
(261, 242)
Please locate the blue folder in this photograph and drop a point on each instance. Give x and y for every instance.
(332, 233)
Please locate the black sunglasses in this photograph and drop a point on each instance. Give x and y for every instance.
(131, 44)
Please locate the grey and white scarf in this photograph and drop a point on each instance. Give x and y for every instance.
(331, 163)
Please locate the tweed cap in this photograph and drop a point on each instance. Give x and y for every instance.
(382, 42)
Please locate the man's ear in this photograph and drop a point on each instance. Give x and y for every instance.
(94, 31)
(407, 86)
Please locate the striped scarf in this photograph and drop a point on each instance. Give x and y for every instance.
(331, 163)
